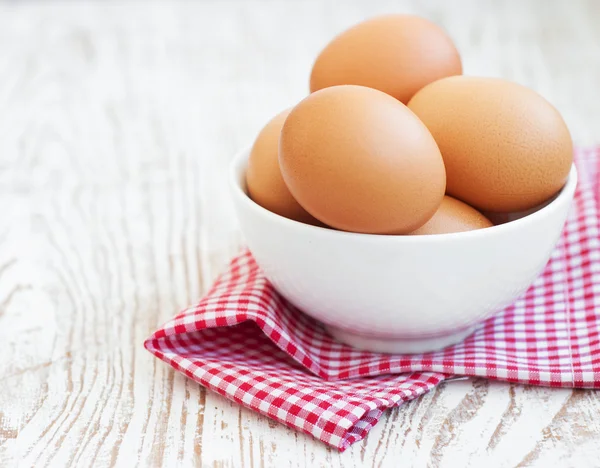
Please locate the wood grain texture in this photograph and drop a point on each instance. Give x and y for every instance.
(117, 123)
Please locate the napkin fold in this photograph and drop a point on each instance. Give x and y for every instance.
(247, 343)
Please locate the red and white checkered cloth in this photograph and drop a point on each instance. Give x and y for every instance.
(247, 343)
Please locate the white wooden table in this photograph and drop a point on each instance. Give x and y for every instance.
(116, 127)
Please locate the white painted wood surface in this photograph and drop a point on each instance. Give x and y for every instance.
(117, 123)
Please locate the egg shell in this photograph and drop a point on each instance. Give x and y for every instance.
(359, 160)
(264, 182)
(453, 216)
(498, 218)
(504, 146)
(396, 54)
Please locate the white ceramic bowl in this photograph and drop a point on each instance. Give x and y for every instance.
(399, 294)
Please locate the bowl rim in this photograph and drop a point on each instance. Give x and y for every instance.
(236, 176)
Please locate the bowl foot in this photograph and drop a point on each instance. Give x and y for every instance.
(398, 345)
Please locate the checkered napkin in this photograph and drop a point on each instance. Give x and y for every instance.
(245, 342)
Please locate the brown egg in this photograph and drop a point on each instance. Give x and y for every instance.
(396, 54)
(498, 217)
(504, 146)
(263, 177)
(359, 160)
(453, 216)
